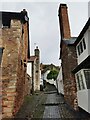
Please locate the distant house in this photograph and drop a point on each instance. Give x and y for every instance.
(59, 82)
(68, 58)
(14, 53)
(33, 70)
(45, 69)
(82, 71)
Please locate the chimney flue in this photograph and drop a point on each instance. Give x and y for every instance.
(64, 22)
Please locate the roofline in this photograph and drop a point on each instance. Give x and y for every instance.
(82, 32)
(14, 15)
(65, 44)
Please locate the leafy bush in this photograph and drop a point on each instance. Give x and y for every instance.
(52, 74)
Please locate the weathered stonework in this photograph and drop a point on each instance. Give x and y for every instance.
(14, 64)
(37, 54)
(69, 61)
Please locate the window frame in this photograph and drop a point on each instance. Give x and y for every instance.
(81, 46)
(81, 85)
(87, 81)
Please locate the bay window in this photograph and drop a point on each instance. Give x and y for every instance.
(83, 79)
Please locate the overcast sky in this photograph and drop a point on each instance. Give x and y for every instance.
(44, 25)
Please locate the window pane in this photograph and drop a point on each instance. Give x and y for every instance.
(84, 44)
(87, 78)
(78, 50)
(81, 47)
(80, 83)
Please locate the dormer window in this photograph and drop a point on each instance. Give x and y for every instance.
(81, 46)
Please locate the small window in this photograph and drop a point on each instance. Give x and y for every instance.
(81, 47)
(78, 50)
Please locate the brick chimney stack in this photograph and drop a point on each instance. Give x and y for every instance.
(64, 22)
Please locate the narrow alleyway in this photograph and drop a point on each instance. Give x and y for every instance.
(51, 106)
(48, 104)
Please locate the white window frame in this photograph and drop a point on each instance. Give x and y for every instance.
(78, 47)
(83, 80)
(84, 76)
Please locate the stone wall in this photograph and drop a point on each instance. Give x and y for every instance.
(37, 71)
(69, 62)
(14, 64)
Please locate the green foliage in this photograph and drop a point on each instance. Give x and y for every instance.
(52, 74)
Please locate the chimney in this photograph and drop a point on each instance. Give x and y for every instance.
(64, 22)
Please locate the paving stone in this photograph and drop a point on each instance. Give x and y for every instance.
(51, 110)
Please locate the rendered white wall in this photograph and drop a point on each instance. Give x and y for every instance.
(60, 82)
(83, 99)
(85, 53)
(29, 69)
(84, 95)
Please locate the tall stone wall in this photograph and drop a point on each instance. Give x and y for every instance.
(14, 64)
(68, 64)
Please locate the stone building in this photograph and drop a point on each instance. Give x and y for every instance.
(14, 43)
(33, 70)
(68, 58)
(37, 54)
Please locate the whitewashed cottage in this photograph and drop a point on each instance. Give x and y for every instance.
(82, 71)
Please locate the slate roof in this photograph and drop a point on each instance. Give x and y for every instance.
(32, 59)
(70, 41)
(1, 52)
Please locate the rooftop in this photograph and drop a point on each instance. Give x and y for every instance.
(83, 31)
(6, 17)
(70, 41)
(32, 59)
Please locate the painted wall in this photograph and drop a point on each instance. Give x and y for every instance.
(86, 52)
(29, 72)
(44, 75)
(60, 82)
